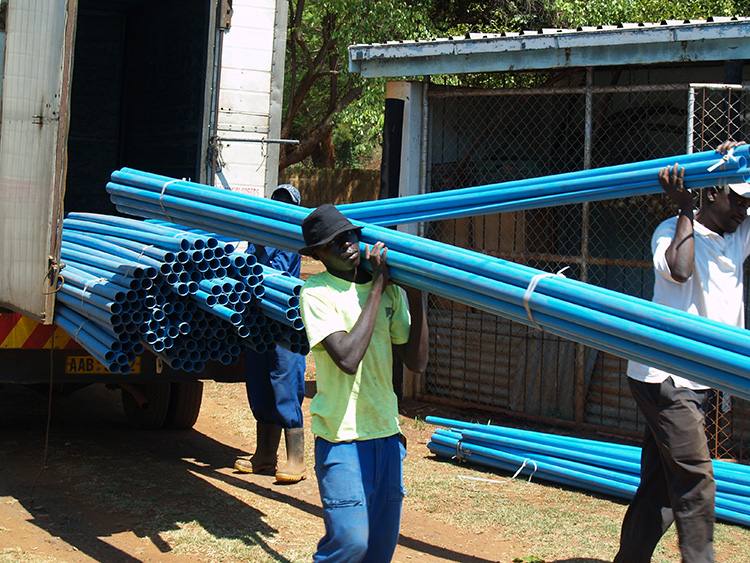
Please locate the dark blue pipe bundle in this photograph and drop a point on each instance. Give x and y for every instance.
(187, 297)
(632, 328)
(601, 467)
(702, 170)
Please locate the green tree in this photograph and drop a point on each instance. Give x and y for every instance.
(318, 86)
(326, 106)
(575, 13)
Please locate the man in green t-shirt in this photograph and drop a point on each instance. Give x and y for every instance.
(354, 318)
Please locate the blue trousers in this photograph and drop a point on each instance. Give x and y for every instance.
(362, 490)
(275, 383)
(677, 479)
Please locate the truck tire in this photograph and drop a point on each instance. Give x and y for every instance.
(152, 413)
(184, 404)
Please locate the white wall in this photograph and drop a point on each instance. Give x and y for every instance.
(250, 95)
(34, 92)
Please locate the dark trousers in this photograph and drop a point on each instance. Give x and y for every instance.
(677, 479)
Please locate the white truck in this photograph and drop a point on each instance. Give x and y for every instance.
(184, 88)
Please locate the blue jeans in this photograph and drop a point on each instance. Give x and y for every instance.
(362, 490)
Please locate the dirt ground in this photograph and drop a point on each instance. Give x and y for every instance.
(57, 509)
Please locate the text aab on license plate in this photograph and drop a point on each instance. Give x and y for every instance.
(75, 364)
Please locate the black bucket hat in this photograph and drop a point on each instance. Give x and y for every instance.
(323, 225)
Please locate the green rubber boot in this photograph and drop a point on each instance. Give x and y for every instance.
(263, 461)
(294, 470)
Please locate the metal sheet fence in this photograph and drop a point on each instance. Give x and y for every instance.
(483, 137)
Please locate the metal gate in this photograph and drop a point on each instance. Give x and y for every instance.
(476, 137)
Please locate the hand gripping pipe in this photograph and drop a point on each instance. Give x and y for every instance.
(226, 214)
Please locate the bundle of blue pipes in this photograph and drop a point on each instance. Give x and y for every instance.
(600, 467)
(702, 169)
(186, 295)
(705, 351)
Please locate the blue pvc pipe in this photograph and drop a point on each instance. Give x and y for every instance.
(551, 472)
(124, 228)
(106, 338)
(236, 204)
(102, 247)
(620, 354)
(266, 227)
(478, 263)
(451, 205)
(100, 286)
(105, 356)
(139, 230)
(627, 170)
(101, 261)
(730, 477)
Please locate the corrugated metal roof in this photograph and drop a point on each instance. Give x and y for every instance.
(670, 41)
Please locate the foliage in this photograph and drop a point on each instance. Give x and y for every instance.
(318, 87)
(575, 13)
(338, 116)
(458, 17)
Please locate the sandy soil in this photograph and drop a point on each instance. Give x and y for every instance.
(56, 508)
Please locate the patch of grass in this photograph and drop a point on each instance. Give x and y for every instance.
(553, 522)
(17, 555)
(191, 538)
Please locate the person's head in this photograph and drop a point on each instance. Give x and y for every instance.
(725, 207)
(287, 193)
(331, 238)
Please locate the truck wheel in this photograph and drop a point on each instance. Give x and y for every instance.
(146, 404)
(184, 404)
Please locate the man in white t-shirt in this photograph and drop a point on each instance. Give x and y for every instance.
(698, 259)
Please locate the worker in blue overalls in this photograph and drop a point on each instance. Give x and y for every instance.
(275, 382)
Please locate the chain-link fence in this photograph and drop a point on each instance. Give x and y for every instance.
(484, 137)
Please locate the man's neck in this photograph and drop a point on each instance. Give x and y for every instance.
(356, 275)
(704, 219)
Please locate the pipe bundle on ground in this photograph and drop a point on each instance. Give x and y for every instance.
(702, 170)
(185, 295)
(601, 467)
(705, 351)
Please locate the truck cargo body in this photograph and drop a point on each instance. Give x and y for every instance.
(184, 88)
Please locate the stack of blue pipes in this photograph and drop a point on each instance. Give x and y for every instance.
(184, 294)
(702, 350)
(601, 467)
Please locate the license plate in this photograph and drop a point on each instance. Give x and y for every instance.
(89, 364)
